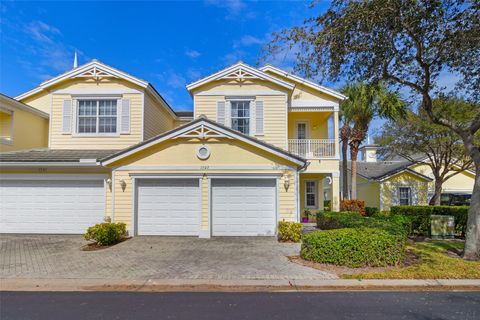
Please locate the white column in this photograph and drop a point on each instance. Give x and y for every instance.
(321, 197)
(335, 188)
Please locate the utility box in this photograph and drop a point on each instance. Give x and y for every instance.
(442, 227)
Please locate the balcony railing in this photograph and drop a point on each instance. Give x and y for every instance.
(312, 148)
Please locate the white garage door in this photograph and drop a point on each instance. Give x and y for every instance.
(50, 206)
(168, 207)
(243, 207)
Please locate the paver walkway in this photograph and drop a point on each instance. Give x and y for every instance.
(59, 256)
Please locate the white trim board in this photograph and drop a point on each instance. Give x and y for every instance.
(203, 168)
(52, 176)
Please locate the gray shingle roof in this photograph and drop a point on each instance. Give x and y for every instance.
(49, 155)
(381, 169)
(184, 113)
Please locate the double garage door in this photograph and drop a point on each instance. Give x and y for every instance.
(239, 207)
(50, 206)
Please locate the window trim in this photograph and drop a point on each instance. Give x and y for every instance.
(75, 104)
(249, 100)
(9, 140)
(409, 195)
(307, 129)
(315, 193)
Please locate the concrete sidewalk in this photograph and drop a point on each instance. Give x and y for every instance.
(163, 285)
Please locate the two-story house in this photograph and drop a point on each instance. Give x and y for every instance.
(256, 150)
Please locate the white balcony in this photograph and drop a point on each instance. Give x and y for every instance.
(312, 148)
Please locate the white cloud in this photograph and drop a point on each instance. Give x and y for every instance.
(192, 53)
(42, 32)
(233, 57)
(232, 6)
(247, 41)
(171, 79)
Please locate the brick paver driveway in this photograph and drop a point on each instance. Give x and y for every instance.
(59, 256)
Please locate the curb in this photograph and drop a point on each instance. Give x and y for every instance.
(239, 285)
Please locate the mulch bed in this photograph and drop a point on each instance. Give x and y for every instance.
(410, 259)
(93, 246)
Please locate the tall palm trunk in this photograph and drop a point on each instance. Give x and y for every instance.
(345, 132)
(358, 135)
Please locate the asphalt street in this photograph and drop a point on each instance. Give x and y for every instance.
(257, 305)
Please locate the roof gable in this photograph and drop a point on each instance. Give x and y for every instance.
(240, 72)
(308, 83)
(97, 70)
(203, 129)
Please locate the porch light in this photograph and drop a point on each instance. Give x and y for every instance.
(286, 181)
(109, 183)
(123, 184)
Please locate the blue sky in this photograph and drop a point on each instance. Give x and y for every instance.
(166, 43)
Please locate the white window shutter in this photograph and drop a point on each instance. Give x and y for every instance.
(228, 114)
(252, 117)
(221, 112)
(125, 116)
(67, 116)
(259, 117)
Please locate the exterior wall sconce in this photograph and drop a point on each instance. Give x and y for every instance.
(123, 184)
(109, 183)
(286, 181)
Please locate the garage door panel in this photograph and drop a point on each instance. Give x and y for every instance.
(50, 206)
(168, 207)
(243, 207)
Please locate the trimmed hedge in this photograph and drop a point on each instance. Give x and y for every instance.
(289, 231)
(371, 211)
(420, 217)
(354, 247)
(398, 225)
(106, 233)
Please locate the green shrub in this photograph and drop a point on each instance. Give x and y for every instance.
(106, 233)
(371, 211)
(420, 217)
(327, 205)
(289, 231)
(354, 247)
(399, 225)
(353, 205)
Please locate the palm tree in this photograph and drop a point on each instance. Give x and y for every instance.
(345, 133)
(363, 104)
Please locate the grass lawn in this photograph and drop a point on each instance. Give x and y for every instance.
(435, 260)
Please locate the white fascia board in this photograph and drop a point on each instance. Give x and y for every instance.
(256, 72)
(77, 71)
(421, 176)
(303, 81)
(51, 176)
(193, 126)
(49, 164)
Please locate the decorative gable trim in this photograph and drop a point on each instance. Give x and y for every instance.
(240, 72)
(203, 128)
(303, 81)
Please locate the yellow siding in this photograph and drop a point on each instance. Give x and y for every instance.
(275, 105)
(40, 101)
(389, 186)
(462, 182)
(369, 192)
(5, 125)
(157, 119)
(29, 130)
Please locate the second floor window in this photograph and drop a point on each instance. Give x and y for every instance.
(97, 116)
(241, 116)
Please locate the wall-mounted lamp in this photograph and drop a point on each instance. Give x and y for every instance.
(109, 183)
(286, 181)
(123, 184)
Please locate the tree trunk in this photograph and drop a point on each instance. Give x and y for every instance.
(344, 170)
(435, 201)
(472, 240)
(354, 145)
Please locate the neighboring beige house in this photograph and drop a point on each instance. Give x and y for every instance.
(255, 151)
(21, 126)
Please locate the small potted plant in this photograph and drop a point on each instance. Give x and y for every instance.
(307, 214)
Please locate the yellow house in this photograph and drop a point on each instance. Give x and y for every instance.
(383, 184)
(21, 126)
(255, 151)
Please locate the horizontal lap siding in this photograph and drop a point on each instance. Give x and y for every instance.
(286, 199)
(123, 199)
(68, 141)
(275, 127)
(157, 119)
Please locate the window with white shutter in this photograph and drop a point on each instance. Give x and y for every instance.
(259, 117)
(221, 112)
(125, 116)
(67, 116)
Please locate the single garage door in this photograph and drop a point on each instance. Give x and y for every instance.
(168, 207)
(243, 207)
(50, 206)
